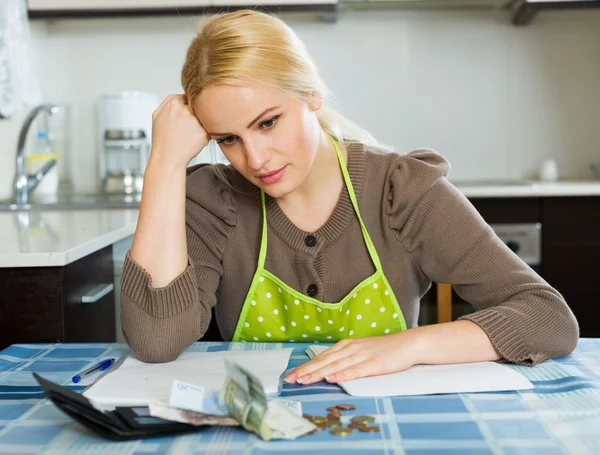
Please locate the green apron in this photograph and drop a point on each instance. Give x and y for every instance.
(274, 312)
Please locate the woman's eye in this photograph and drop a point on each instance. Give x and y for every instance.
(227, 141)
(269, 123)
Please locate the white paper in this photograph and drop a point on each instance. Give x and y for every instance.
(431, 379)
(186, 396)
(135, 383)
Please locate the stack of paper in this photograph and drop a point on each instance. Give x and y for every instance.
(315, 349)
(135, 383)
(432, 379)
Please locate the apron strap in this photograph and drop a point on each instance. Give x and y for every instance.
(352, 194)
(370, 246)
(263, 243)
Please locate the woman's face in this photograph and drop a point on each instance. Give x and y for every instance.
(269, 137)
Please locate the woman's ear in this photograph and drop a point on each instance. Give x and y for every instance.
(315, 102)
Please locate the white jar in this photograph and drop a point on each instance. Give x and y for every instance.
(549, 170)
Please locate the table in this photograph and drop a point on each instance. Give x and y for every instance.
(561, 415)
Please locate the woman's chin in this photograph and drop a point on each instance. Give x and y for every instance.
(279, 189)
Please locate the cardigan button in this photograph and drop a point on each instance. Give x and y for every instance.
(310, 240)
(312, 290)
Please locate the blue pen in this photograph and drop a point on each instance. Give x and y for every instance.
(101, 366)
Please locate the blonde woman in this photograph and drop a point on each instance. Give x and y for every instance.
(313, 233)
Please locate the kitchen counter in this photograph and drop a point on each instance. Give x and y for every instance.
(529, 189)
(49, 238)
(58, 238)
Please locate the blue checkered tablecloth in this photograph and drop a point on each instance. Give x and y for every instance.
(560, 416)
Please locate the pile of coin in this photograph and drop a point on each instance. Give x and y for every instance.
(333, 421)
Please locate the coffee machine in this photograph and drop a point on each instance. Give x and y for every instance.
(125, 139)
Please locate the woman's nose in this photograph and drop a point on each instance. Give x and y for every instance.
(257, 156)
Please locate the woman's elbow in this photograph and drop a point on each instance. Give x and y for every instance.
(152, 351)
(564, 336)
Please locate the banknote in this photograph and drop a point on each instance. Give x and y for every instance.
(284, 423)
(244, 397)
(292, 405)
(164, 411)
(195, 398)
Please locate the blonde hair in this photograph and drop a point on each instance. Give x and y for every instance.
(249, 47)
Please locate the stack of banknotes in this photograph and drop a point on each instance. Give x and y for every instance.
(241, 401)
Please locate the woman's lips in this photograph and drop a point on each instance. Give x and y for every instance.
(272, 177)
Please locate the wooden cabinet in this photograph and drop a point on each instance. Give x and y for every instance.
(508, 210)
(570, 246)
(571, 255)
(44, 304)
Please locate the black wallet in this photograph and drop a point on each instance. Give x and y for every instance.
(122, 424)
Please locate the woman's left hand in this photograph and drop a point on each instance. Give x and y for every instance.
(360, 357)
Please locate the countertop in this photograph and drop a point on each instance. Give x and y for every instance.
(57, 238)
(528, 189)
(47, 238)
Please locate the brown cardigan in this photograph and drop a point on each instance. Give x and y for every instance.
(423, 228)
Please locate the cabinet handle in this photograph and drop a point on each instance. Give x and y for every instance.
(97, 293)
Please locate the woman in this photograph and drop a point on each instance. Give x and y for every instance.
(313, 234)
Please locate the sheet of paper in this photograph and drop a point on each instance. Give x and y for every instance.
(432, 379)
(135, 383)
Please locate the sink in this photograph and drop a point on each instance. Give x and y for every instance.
(76, 202)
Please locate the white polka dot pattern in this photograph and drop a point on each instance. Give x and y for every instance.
(285, 316)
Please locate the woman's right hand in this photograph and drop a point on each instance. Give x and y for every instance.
(177, 135)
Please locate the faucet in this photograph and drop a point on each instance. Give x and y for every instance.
(24, 184)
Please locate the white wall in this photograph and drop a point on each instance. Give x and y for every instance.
(493, 98)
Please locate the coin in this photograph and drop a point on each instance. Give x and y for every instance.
(321, 427)
(363, 419)
(319, 420)
(366, 429)
(334, 423)
(307, 417)
(346, 407)
(341, 431)
(332, 416)
(333, 409)
(357, 425)
(337, 412)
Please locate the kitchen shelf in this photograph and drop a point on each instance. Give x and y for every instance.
(327, 9)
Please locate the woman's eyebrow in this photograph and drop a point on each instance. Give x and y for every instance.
(249, 124)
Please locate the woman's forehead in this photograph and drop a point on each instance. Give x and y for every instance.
(222, 106)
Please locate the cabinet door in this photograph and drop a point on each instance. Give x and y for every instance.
(571, 255)
(509, 210)
(92, 321)
(31, 308)
(83, 5)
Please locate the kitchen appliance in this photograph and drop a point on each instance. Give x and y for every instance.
(549, 170)
(125, 139)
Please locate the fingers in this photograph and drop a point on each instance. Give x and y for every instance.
(356, 371)
(326, 364)
(336, 347)
(168, 100)
(323, 371)
(164, 102)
